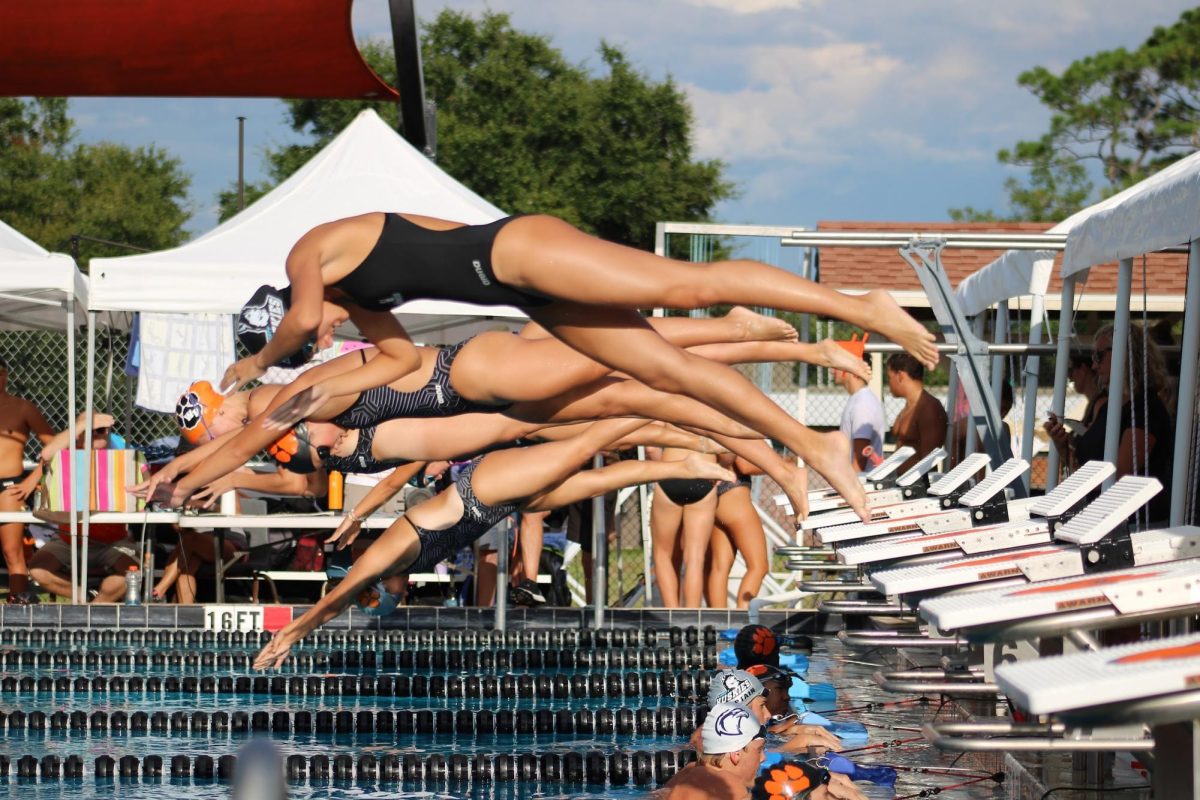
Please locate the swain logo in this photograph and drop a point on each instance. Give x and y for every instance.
(479, 272)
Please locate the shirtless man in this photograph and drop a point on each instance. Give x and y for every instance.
(922, 422)
(19, 419)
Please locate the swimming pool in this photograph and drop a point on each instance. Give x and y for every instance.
(448, 714)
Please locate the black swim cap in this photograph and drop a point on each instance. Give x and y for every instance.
(260, 319)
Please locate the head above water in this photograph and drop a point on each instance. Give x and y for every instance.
(260, 318)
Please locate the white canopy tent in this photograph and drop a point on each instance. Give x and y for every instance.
(40, 290)
(368, 167)
(1159, 212)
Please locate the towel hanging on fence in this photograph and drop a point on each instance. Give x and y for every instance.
(177, 349)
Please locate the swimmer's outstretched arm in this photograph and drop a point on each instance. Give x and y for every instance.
(393, 551)
(397, 357)
(380, 493)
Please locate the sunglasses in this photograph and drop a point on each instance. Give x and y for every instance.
(1098, 355)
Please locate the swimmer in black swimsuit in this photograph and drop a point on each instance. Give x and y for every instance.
(538, 477)
(681, 522)
(585, 291)
(537, 379)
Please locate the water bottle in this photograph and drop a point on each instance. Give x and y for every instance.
(133, 586)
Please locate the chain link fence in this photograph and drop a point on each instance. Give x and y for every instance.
(37, 371)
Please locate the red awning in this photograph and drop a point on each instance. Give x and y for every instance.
(183, 48)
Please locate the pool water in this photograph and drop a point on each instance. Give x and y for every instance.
(183, 735)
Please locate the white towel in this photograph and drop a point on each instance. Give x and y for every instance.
(178, 349)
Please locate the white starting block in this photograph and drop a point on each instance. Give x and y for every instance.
(880, 487)
(1053, 685)
(1160, 586)
(945, 516)
(1044, 513)
(905, 489)
(876, 481)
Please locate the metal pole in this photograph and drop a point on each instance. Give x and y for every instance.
(71, 428)
(241, 163)
(502, 579)
(999, 364)
(1032, 365)
(599, 554)
(1186, 408)
(87, 451)
(1116, 373)
(1061, 361)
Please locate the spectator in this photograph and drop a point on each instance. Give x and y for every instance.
(111, 551)
(863, 420)
(922, 422)
(19, 419)
(1147, 430)
(1082, 440)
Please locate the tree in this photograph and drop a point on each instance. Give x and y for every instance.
(531, 132)
(1129, 114)
(52, 188)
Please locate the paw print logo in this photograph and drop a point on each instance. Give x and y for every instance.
(285, 449)
(764, 641)
(785, 782)
(188, 411)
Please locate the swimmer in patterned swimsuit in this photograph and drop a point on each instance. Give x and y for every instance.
(583, 290)
(533, 378)
(535, 478)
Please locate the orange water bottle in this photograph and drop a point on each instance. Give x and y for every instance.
(873, 458)
(336, 499)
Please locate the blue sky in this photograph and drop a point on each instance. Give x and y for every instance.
(872, 110)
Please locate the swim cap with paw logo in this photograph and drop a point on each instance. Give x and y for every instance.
(260, 318)
(195, 411)
(293, 452)
(789, 780)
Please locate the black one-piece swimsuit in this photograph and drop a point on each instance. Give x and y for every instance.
(411, 262)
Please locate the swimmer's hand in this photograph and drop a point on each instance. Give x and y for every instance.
(240, 373)
(148, 489)
(297, 407)
(207, 496)
(350, 527)
(801, 742)
(840, 787)
(276, 651)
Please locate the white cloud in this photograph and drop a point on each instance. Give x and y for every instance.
(751, 6)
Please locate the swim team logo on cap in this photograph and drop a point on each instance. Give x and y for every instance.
(789, 780)
(734, 686)
(260, 318)
(756, 644)
(729, 728)
(195, 411)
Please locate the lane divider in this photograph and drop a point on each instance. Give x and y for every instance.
(642, 721)
(475, 660)
(593, 768)
(683, 685)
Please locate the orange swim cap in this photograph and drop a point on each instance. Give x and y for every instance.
(196, 410)
(855, 346)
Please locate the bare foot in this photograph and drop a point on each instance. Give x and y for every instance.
(794, 482)
(835, 357)
(831, 458)
(697, 466)
(895, 323)
(754, 327)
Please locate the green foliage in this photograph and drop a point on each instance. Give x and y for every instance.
(52, 188)
(1125, 114)
(531, 132)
